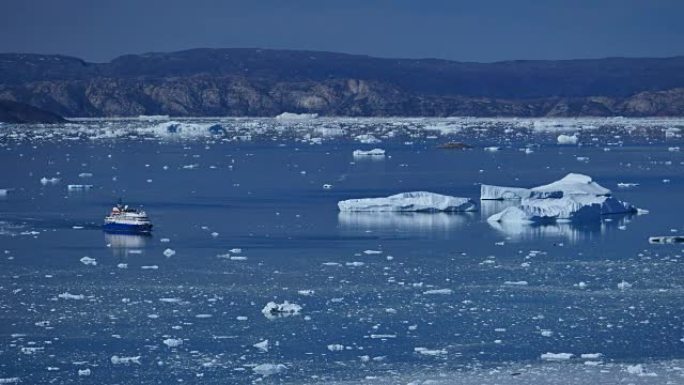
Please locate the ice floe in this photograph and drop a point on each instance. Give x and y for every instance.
(417, 201)
(274, 310)
(269, 369)
(378, 152)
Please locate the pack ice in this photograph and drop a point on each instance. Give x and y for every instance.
(576, 197)
(416, 201)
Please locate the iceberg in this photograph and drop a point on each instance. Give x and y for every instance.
(566, 209)
(571, 184)
(416, 201)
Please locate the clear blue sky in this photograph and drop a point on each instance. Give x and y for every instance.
(476, 30)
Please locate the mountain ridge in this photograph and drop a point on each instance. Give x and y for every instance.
(264, 82)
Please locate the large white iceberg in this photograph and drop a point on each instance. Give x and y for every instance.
(571, 184)
(568, 208)
(416, 201)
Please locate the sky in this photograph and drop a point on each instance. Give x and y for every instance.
(482, 30)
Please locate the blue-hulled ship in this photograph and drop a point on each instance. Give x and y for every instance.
(123, 219)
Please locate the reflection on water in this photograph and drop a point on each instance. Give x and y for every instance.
(403, 221)
(571, 231)
(125, 244)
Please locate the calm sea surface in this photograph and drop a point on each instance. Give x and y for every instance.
(386, 298)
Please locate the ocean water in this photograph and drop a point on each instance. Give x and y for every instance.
(385, 298)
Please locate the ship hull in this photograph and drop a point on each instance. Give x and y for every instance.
(127, 228)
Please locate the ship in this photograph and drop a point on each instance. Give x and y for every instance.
(123, 219)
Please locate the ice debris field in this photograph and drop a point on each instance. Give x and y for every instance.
(311, 250)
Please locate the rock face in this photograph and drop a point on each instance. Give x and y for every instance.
(13, 112)
(254, 82)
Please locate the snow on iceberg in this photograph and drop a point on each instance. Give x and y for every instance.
(571, 184)
(416, 201)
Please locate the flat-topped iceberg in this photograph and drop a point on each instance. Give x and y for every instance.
(571, 184)
(373, 152)
(416, 201)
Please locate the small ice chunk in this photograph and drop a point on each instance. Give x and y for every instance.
(46, 181)
(438, 291)
(374, 152)
(168, 253)
(173, 342)
(666, 239)
(88, 261)
(84, 372)
(79, 187)
(516, 283)
(116, 360)
(262, 346)
(335, 347)
(556, 356)
(567, 139)
(269, 369)
(624, 285)
(67, 295)
(430, 352)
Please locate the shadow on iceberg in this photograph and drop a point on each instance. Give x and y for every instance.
(409, 221)
(573, 231)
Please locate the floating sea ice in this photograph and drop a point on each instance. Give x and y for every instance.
(556, 356)
(591, 356)
(84, 372)
(67, 295)
(335, 347)
(516, 283)
(173, 342)
(627, 185)
(327, 186)
(274, 310)
(85, 175)
(374, 152)
(262, 346)
(666, 239)
(438, 291)
(10, 380)
(122, 266)
(46, 181)
(305, 292)
(235, 250)
(624, 285)
(417, 201)
(89, 261)
(168, 253)
(430, 352)
(367, 139)
(149, 267)
(567, 139)
(638, 370)
(116, 360)
(269, 369)
(295, 116)
(79, 187)
(372, 252)
(492, 149)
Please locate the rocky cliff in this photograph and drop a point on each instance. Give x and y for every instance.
(254, 82)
